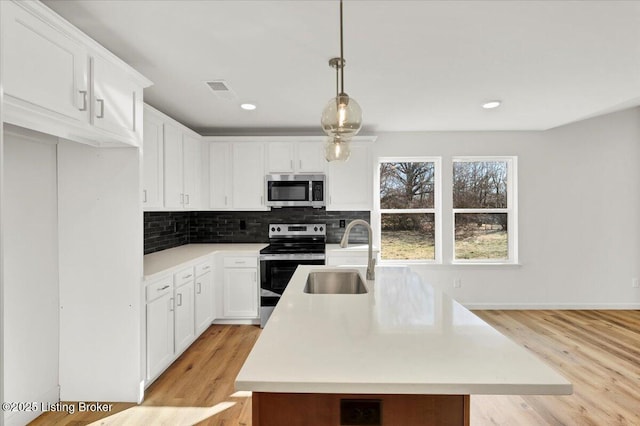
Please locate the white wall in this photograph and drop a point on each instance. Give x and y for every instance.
(579, 213)
(30, 237)
(100, 228)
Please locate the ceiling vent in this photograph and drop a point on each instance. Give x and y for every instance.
(221, 89)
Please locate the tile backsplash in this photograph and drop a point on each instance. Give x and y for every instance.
(163, 230)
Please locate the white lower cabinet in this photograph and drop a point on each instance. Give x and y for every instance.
(240, 288)
(204, 297)
(180, 306)
(160, 317)
(185, 314)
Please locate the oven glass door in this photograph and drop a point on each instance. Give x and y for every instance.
(283, 190)
(275, 275)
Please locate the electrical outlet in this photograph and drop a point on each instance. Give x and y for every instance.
(342, 223)
(457, 283)
(635, 283)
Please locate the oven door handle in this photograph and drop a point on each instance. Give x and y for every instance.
(299, 256)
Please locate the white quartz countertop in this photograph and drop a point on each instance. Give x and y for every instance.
(402, 337)
(161, 261)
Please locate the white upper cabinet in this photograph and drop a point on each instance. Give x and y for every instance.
(248, 176)
(350, 183)
(295, 157)
(236, 174)
(173, 167)
(191, 151)
(43, 65)
(310, 158)
(152, 159)
(115, 96)
(220, 175)
(172, 164)
(59, 81)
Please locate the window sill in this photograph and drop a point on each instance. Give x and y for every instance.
(452, 264)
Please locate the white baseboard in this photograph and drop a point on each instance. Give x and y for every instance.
(552, 306)
(20, 418)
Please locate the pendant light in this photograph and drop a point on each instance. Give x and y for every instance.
(342, 117)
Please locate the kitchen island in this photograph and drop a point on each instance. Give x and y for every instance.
(402, 353)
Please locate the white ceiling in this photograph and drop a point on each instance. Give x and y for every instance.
(412, 65)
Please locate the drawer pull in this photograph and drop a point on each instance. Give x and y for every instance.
(206, 268)
(101, 113)
(179, 299)
(240, 262)
(187, 276)
(199, 288)
(164, 288)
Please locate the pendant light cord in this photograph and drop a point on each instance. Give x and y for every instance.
(341, 53)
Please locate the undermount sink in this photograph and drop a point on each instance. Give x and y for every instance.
(345, 281)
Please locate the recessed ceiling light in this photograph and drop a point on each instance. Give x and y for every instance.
(491, 104)
(248, 107)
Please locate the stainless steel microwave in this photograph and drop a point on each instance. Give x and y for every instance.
(289, 190)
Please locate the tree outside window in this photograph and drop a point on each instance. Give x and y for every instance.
(408, 194)
(483, 209)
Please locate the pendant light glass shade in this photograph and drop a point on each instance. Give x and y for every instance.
(342, 117)
(337, 149)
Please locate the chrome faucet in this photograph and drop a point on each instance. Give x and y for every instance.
(371, 262)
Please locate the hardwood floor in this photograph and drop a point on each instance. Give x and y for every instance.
(598, 351)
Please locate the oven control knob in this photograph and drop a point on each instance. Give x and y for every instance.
(278, 229)
(315, 228)
(321, 228)
(273, 229)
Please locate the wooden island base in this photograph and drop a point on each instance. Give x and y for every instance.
(318, 409)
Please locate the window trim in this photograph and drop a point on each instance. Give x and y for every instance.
(511, 210)
(436, 210)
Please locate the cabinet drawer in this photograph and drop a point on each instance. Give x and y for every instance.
(240, 262)
(183, 276)
(203, 268)
(159, 288)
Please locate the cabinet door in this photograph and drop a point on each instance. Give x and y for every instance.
(204, 302)
(192, 152)
(114, 98)
(173, 178)
(160, 348)
(351, 183)
(152, 188)
(240, 293)
(311, 157)
(280, 157)
(220, 175)
(42, 65)
(185, 319)
(248, 176)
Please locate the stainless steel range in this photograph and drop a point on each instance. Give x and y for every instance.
(290, 245)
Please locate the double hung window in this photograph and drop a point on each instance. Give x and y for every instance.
(409, 208)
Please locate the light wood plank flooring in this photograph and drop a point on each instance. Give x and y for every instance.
(598, 351)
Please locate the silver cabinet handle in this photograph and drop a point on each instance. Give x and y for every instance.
(206, 268)
(186, 196)
(261, 199)
(101, 103)
(164, 288)
(199, 289)
(300, 164)
(144, 193)
(225, 200)
(181, 198)
(187, 276)
(84, 100)
(172, 305)
(179, 299)
(255, 277)
(291, 164)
